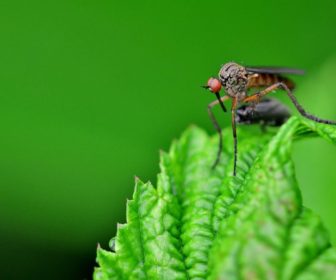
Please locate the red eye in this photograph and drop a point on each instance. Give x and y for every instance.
(214, 85)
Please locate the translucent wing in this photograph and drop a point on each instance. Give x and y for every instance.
(274, 70)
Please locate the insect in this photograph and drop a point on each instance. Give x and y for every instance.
(237, 81)
(268, 112)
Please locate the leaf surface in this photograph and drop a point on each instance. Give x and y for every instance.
(200, 223)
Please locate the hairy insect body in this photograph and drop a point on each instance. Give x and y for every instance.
(234, 79)
(265, 80)
(237, 80)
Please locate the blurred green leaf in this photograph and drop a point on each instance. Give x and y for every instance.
(201, 223)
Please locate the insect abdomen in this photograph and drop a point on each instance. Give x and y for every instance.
(265, 80)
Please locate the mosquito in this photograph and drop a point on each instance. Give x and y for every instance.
(237, 82)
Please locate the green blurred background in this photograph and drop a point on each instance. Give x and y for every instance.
(91, 90)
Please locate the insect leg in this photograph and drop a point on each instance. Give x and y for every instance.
(256, 97)
(217, 127)
(300, 108)
(234, 132)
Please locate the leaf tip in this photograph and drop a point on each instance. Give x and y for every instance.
(136, 179)
(120, 226)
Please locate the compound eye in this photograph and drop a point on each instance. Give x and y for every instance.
(214, 85)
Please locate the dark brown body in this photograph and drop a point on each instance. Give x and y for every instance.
(265, 80)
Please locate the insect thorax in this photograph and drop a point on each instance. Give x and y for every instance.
(233, 78)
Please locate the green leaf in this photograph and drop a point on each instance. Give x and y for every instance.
(201, 223)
